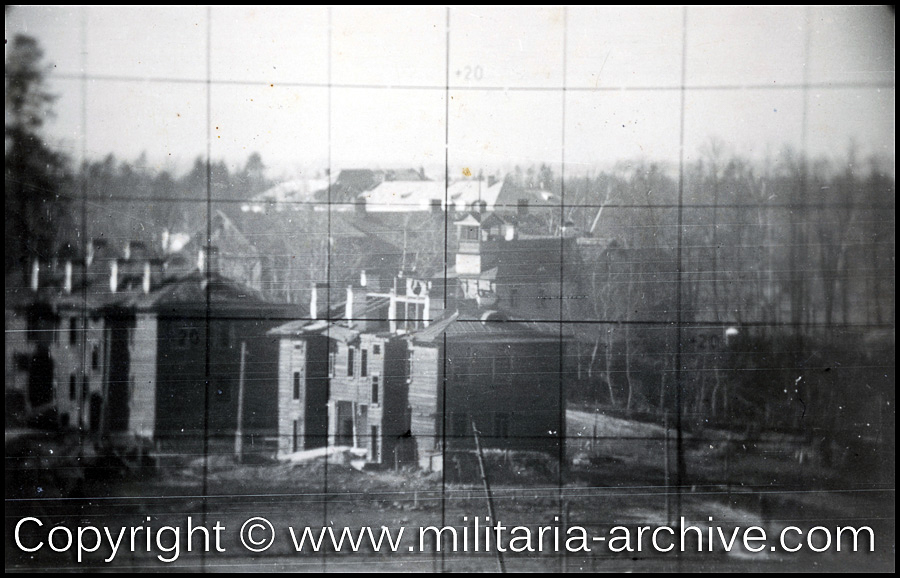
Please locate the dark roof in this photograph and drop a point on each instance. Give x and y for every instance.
(336, 328)
(492, 328)
(348, 184)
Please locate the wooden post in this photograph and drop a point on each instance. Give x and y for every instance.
(487, 489)
(239, 430)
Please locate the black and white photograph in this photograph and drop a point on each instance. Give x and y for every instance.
(450, 289)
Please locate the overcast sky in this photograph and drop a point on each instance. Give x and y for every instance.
(270, 70)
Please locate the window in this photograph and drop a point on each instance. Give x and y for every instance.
(330, 362)
(296, 438)
(73, 386)
(95, 357)
(73, 330)
(296, 385)
(374, 433)
(364, 363)
(376, 349)
(375, 390)
(350, 362)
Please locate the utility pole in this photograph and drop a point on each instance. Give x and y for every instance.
(501, 565)
(239, 430)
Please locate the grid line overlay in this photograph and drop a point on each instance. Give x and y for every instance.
(561, 493)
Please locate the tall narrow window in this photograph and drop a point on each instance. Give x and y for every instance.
(73, 330)
(350, 362)
(73, 386)
(296, 385)
(375, 390)
(374, 434)
(364, 363)
(296, 437)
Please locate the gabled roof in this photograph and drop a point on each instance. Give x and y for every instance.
(294, 191)
(491, 328)
(464, 193)
(468, 221)
(403, 196)
(336, 327)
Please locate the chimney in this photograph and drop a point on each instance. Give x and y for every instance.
(362, 278)
(392, 311)
(35, 275)
(113, 276)
(208, 258)
(146, 279)
(67, 284)
(314, 303)
(491, 181)
(523, 207)
(349, 315)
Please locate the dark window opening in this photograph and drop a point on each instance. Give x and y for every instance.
(73, 330)
(364, 363)
(296, 385)
(350, 362)
(95, 357)
(73, 386)
(374, 443)
(375, 390)
(376, 350)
